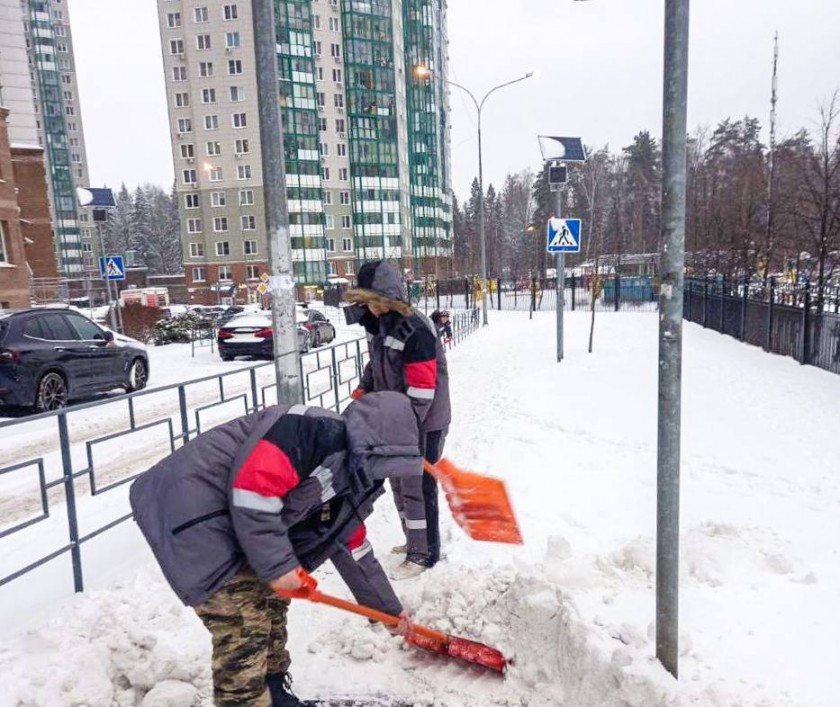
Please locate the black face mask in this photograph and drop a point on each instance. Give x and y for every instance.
(353, 313)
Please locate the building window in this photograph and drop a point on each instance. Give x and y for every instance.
(66, 78)
(182, 100)
(187, 151)
(193, 225)
(325, 173)
(244, 171)
(334, 27)
(338, 100)
(317, 19)
(214, 148)
(328, 198)
(249, 223)
(325, 149)
(344, 198)
(231, 39)
(337, 75)
(330, 222)
(242, 147)
(201, 14)
(69, 110)
(235, 67)
(190, 176)
(198, 275)
(231, 12)
(317, 49)
(176, 46)
(205, 69)
(225, 272)
(217, 199)
(322, 124)
(192, 201)
(237, 94)
(240, 120)
(253, 272)
(4, 257)
(340, 126)
(320, 74)
(341, 150)
(222, 248)
(179, 73)
(331, 245)
(249, 247)
(347, 244)
(173, 19)
(196, 250)
(345, 221)
(202, 41)
(216, 174)
(211, 122)
(208, 95)
(184, 125)
(335, 50)
(321, 98)
(331, 268)
(342, 174)
(246, 197)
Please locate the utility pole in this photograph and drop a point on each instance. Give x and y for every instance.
(560, 264)
(771, 155)
(281, 277)
(675, 97)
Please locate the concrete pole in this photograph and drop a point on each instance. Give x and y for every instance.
(286, 354)
(481, 234)
(675, 97)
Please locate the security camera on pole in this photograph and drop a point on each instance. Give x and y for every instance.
(562, 235)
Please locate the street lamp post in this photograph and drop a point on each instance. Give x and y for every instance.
(423, 72)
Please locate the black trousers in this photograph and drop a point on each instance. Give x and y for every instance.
(434, 451)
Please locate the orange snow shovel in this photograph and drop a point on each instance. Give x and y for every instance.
(479, 504)
(426, 638)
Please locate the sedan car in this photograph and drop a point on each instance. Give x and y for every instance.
(51, 356)
(252, 335)
(319, 327)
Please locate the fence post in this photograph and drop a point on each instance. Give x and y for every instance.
(722, 302)
(70, 496)
(336, 382)
(467, 290)
(254, 401)
(705, 299)
(806, 325)
(533, 296)
(574, 281)
(437, 294)
(769, 346)
(617, 292)
(745, 298)
(499, 292)
(182, 404)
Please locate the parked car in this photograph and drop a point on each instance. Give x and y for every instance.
(229, 314)
(319, 327)
(251, 335)
(51, 356)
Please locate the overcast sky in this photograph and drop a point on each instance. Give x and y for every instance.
(600, 65)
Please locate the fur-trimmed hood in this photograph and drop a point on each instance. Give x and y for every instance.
(380, 282)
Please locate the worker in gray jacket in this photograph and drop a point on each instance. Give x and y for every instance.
(233, 516)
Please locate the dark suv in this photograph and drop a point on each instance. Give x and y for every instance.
(49, 356)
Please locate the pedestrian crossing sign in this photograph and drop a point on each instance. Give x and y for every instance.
(112, 267)
(563, 235)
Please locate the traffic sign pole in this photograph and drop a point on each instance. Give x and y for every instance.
(560, 265)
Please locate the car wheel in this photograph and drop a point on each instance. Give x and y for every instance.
(316, 339)
(138, 376)
(52, 393)
(227, 357)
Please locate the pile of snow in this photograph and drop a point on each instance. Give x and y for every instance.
(573, 608)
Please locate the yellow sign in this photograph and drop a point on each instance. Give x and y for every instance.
(262, 288)
(264, 278)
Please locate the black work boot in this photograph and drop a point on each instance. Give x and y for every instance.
(280, 688)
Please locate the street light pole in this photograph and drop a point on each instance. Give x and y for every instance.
(421, 71)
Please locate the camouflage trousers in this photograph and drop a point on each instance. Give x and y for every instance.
(247, 623)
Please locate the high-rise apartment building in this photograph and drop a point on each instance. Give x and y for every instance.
(366, 144)
(39, 87)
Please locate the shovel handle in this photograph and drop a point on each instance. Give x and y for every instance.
(431, 469)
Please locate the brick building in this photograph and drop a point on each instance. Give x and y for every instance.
(14, 278)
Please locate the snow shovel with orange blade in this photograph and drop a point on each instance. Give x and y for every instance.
(426, 638)
(479, 504)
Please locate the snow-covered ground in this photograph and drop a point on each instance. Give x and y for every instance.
(574, 606)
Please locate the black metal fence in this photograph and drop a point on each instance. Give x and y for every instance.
(784, 319)
(48, 446)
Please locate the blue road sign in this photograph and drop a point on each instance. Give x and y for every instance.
(563, 235)
(112, 267)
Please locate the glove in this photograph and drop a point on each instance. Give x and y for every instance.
(358, 393)
(295, 584)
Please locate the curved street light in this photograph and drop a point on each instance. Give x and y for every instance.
(424, 72)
